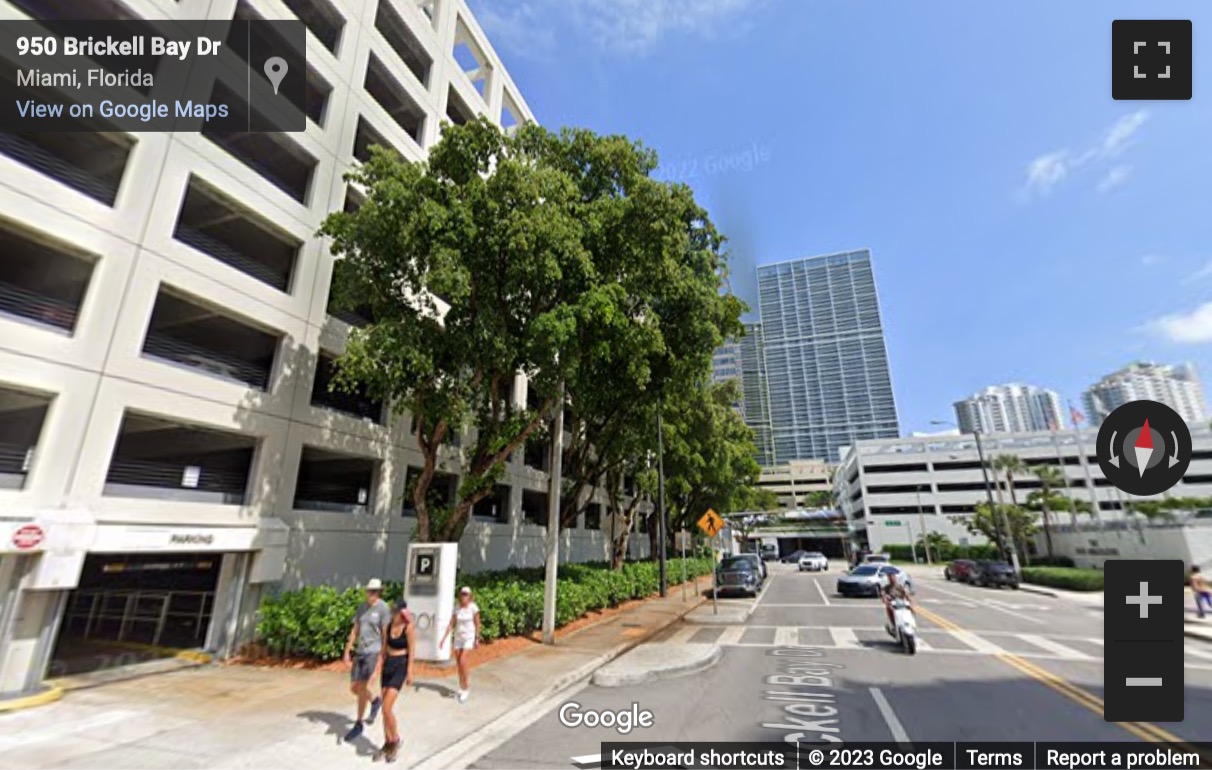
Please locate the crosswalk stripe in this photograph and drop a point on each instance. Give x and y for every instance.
(1055, 648)
(923, 645)
(786, 636)
(977, 643)
(1198, 653)
(731, 635)
(844, 638)
(682, 635)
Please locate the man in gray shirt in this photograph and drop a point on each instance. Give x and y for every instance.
(363, 652)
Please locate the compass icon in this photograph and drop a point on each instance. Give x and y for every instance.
(1144, 448)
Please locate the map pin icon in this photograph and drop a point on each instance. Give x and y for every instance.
(275, 70)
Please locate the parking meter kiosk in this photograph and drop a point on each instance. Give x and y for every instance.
(429, 587)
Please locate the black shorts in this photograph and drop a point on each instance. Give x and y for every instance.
(363, 667)
(395, 670)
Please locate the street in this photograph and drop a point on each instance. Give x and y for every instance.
(993, 665)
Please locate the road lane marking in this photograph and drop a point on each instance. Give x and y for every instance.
(1055, 647)
(844, 638)
(992, 604)
(923, 645)
(890, 718)
(731, 636)
(821, 591)
(1198, 653)
(786, 636)
(1143, 730)
(682, 635)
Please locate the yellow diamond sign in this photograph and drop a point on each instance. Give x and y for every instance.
(711, 523)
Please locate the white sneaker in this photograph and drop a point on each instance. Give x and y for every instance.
(463, 696)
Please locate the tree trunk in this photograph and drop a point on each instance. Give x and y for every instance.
(1047, 516)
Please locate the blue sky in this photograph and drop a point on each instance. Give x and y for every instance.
(1024, 226)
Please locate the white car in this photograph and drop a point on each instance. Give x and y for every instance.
(813, 561)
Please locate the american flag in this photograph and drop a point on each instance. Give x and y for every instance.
(1075, 415)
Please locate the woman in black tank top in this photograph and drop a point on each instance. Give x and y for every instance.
(398, 639)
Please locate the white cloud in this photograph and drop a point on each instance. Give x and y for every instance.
(1201, 274)
(1149, 260)
(1185, 328)
(1114, 178)
(517, 27)
(1047, 171)
(1120, 135)
(619, 26)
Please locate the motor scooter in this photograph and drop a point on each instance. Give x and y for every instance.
(904, 626)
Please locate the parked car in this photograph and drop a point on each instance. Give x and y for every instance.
(793, 557)
(737, 574)
(959, 570)
(866, 579)
(769, 551)
(994, 573)
(758, 563)
(813, 561)
(876, 558)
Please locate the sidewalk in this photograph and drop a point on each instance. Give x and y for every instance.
(251, 717)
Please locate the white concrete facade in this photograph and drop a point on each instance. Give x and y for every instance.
(1178, 387)
(892, 490)
(96, 372)
(1011, 408)
(793, 481)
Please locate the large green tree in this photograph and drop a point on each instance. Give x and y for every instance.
(988, 521)
(709, 454)
(554, 255)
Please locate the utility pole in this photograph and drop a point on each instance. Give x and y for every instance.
(1000, 512)
(661, 523)
(921, 523)
(553, 520)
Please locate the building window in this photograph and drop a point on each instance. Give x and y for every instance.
(21, 418)
(335, 482)
(41, 281)
(162, 459)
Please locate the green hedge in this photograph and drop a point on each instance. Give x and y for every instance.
(901, 552)
(314, 621)
(1069, 578)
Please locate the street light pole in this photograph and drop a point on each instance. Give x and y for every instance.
(553, 521)
(921, 523)
(661, 524)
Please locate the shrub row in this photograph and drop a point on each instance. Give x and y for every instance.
(1068, 578)
(314, 621)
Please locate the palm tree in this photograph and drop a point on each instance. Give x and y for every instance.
(1010, 465)
(1050, 479)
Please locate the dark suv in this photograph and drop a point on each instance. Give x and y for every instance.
(960, 570)
(993, 573)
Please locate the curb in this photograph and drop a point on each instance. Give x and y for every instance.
(49, 694)
(713, 653)
(1033, 589)
(1189, 634)
(451, 755)
(727, 618)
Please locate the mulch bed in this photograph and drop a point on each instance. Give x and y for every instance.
(257, 655)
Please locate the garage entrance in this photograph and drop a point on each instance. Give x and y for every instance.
(130, 608)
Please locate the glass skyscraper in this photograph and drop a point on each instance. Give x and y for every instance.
(826, 362)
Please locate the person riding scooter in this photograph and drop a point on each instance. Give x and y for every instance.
(894, 590)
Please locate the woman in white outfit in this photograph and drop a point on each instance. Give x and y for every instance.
(465, 625)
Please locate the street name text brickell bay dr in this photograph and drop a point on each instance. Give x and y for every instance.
(109, 46)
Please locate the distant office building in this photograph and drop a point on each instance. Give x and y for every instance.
(795, 483)
(755, 402)
(1177, 387)
(826, 362)
(1011, 408)
(726, 362)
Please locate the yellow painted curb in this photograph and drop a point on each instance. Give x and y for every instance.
(193, 656)
(49, 695)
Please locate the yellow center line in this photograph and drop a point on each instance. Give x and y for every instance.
(1143, 730)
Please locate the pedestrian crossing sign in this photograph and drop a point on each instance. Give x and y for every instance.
(711, 523)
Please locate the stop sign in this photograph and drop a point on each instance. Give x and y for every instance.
(28, 537)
